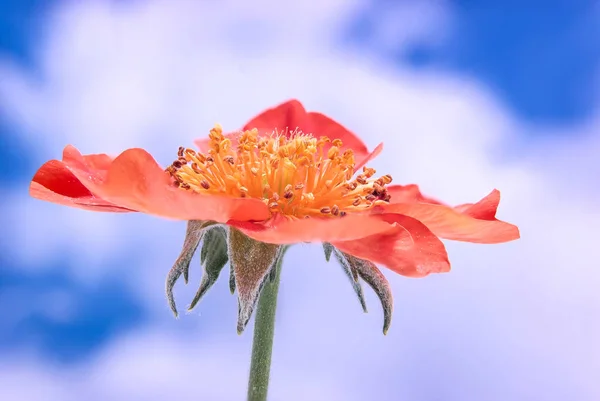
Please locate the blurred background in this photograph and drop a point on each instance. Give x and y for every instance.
(466, 95)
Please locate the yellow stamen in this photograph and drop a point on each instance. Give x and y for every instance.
(293, 175)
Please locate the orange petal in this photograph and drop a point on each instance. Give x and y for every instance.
(321, 125)
(368, 157)
(55, 183)
(410, 249)
(408, 194)
(485, 209)
(291, 115)
(281, 230)
(470, 222)
(135, 181)
(96, 163)
(89, 202)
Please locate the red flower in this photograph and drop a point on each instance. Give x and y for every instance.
(282, 189)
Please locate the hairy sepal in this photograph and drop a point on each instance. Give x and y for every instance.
(366, 270)
(252, 262)
(213, 257)
(352, 275)
(193, 234)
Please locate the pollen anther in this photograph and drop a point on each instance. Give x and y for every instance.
(294, 173)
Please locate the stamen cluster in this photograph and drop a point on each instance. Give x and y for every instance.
(292, 172)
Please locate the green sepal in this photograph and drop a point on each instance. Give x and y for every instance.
(352, 276)
(193, 234)
(366, 270)
(231, 279)
(213, 257)
(328, 249)
(252, 262)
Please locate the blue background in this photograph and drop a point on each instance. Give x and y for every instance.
(540, 63)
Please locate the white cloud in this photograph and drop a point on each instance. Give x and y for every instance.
(160, 74)
(151, 366)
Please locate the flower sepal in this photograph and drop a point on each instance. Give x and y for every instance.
(252, 263)
(213, 257)
(357, 269)
(193, 235)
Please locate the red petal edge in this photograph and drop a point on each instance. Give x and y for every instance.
(469, 222)
(408, 194)
(291, 115)
(135, 181)
(281, 230)
(410, 249)
(55, 183)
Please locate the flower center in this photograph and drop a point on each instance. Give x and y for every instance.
(293, 175)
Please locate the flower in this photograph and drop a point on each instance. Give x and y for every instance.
(288, 176)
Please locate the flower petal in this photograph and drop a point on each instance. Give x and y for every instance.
(409, 194)
(321, 125)
(470, 222)
(135, 181)
(290, 115)
(96, 163)
(89, 202)
(367, 158)
(485, 209)
(410, 249)
(55, 183)
(281, 230)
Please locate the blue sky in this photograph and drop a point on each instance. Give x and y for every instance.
(468, 78)
(541, 61)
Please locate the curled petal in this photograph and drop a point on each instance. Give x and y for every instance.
(280, 230)
(360, 162)
(55, 183)
(485, 209)
(470, 222)
(135, 181)
(409, 249)
(81, 201)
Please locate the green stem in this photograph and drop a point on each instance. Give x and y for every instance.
(262, 344)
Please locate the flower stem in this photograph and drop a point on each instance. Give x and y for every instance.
(262, 344)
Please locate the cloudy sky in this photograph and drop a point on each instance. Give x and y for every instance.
(465, 98)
